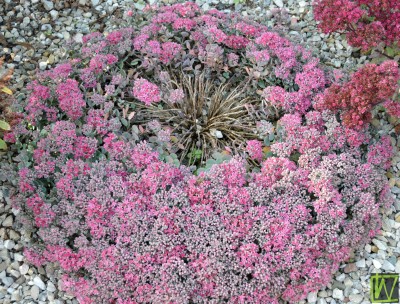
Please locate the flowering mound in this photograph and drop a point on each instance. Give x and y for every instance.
(127, 227)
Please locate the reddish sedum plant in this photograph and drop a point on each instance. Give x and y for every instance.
(370, 85)
(367, 23)
(132, 229)
(129, 228)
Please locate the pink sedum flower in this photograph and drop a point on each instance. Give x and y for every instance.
(254, 148)
(146, 91)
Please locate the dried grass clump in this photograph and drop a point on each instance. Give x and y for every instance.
(209, 118)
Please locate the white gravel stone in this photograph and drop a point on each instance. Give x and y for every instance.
(279, 3)
(356, 298)
(42, 65)
(24, 268)
(35, 292)
(341, 277)
(312, 297)
(360, 263)
(8, 222)
(379, 244)
(50, 287)
(48, 5)
(377, 264)
(78, 37)
(387, 266)
(54, 14)
(7, 281)
(9, 244)
(337, 294)
(39, 283)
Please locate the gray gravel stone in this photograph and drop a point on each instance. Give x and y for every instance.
(48, 5)
(35, 292)
(39, 283)
(8, 222)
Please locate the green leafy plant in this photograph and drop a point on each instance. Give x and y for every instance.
(4, 126)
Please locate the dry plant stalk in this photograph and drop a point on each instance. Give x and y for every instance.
(209, 118)
(5, 100)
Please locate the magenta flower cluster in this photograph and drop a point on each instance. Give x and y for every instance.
(143, 230)
(366, 23)
(129, 228)
(370, 85)
(146, 91)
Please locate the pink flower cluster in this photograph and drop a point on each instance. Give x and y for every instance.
(254, 148)
(369, 86)
(70, 98)
(146, 91)
(139, 219)
(366, 23)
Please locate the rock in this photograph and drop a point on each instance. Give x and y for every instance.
(340, 277)
(350, 268)
(16, 296)
(15, 273)
(48, 5)
(360, 263)
(3, 266)
(302, 4)
(338, 294)
(9, 244)
(348, 282)
(379, 244)
(35, 292)
(53, 14)
(42, 65)
(7, 281)
(377, 264)
(50, 287)
(14, 235)
(356, 298)
(39, 283)
(387, 266)
(8, 222)
(95, 2)
(279, 3)
(312, 297)
(395, 189)
(78, 37)
(23, 269)
(51, 59)
(397, 269)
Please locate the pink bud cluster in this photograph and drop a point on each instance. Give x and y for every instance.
(146, 91)
(366, 23)
(370, 85)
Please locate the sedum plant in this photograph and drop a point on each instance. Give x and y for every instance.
(105, 176)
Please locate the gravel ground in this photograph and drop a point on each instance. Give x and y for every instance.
(33, 35)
